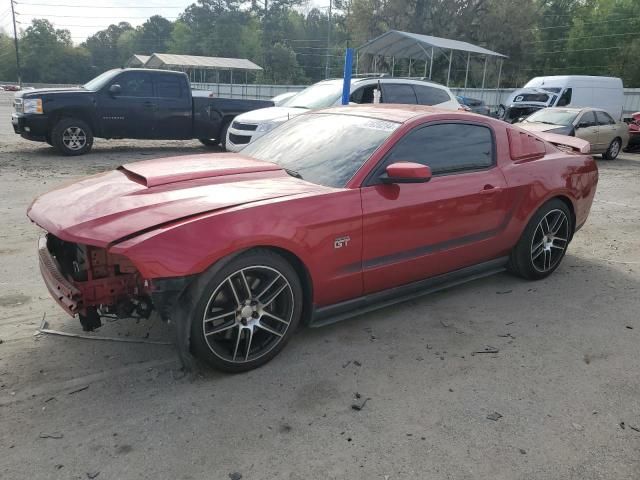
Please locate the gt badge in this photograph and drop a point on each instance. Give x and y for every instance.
(341, 241)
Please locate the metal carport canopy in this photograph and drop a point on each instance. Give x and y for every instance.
(395, 43)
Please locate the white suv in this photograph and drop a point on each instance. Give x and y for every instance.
(248, 126)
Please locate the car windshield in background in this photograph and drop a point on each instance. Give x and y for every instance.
(532, 97)
(553, 117)
(322, 148)
(321, 95)
(101, 80)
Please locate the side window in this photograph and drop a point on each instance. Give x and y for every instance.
(587, 120)
(565, 98)
(398, 93)
(168, 86)
(446, 148)
(363, 95)
(135, 84)
(604, 118)
(430, 95)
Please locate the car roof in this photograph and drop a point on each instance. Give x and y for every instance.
(391, 112)
(576, 109)
(387, 79)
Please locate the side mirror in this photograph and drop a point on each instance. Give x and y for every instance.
(406, 172)
(115, 89)
(583, 125)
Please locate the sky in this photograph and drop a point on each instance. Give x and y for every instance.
(83, 18)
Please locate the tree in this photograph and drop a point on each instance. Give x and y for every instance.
(8, 70)
(154, 35)
(103, 46)
(49, 56)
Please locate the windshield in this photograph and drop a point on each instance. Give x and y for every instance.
(320, 95)
(326, 149)
(553, 117)
(101, 80)
(532, 97)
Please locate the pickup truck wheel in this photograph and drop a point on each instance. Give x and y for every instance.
(245, 312)
(72, 136)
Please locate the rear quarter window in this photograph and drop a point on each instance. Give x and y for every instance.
(169, 86)
(430, 95)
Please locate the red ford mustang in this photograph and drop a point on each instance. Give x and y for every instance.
(334, 213)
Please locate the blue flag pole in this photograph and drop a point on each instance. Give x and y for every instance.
(346, 83)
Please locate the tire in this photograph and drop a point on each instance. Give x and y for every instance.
(223, 135)
(72, 136)
(613, 150)
(543, 243)
(208, 142)
(233, 331)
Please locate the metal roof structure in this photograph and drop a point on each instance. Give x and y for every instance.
(395, 43)
(172, 61)
(137, 61)
(414, 46)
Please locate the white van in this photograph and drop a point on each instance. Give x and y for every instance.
(605, 93)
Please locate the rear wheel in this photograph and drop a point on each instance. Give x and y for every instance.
(223, 135)
(245, 313)
(613, 150)
(72, 136)
(543, 243)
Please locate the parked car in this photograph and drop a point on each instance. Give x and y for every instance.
(604, 134)
(634, 133)
(250, 126)
(125, 103)
(282, 98)
(474, 105)
(380, 204)
(605, 93)
(10, 88)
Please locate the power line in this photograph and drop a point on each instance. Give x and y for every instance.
(580, 50)
(585, 37)
(34, 15)
(123, 7)
(628, 19)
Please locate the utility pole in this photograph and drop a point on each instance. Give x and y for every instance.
(15, 39)
(326, 65)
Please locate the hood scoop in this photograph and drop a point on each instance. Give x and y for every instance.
(152, 173)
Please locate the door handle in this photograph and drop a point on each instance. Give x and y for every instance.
(488, 189)
(149, 104)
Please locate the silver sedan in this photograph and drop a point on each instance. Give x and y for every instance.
(606, 135)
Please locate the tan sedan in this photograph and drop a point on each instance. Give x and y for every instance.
(606, 135)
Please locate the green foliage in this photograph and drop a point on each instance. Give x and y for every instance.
(550, 37)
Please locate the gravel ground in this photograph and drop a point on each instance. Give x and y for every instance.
(566, 380)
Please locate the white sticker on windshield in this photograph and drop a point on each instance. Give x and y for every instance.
(383, 125)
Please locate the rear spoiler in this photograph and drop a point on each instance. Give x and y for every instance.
(566, 143)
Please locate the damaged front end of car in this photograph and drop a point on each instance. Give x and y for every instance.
(92, 283)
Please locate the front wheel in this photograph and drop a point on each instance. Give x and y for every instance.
(613, 150)
(244, 313)
(543, 243)
(72, 136)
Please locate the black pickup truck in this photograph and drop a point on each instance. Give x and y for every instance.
(125, 103)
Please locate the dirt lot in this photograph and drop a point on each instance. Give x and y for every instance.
(566, 379)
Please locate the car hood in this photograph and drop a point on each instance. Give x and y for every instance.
(271, 114)
(46, 91)
(110, 207)
(538, 127)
